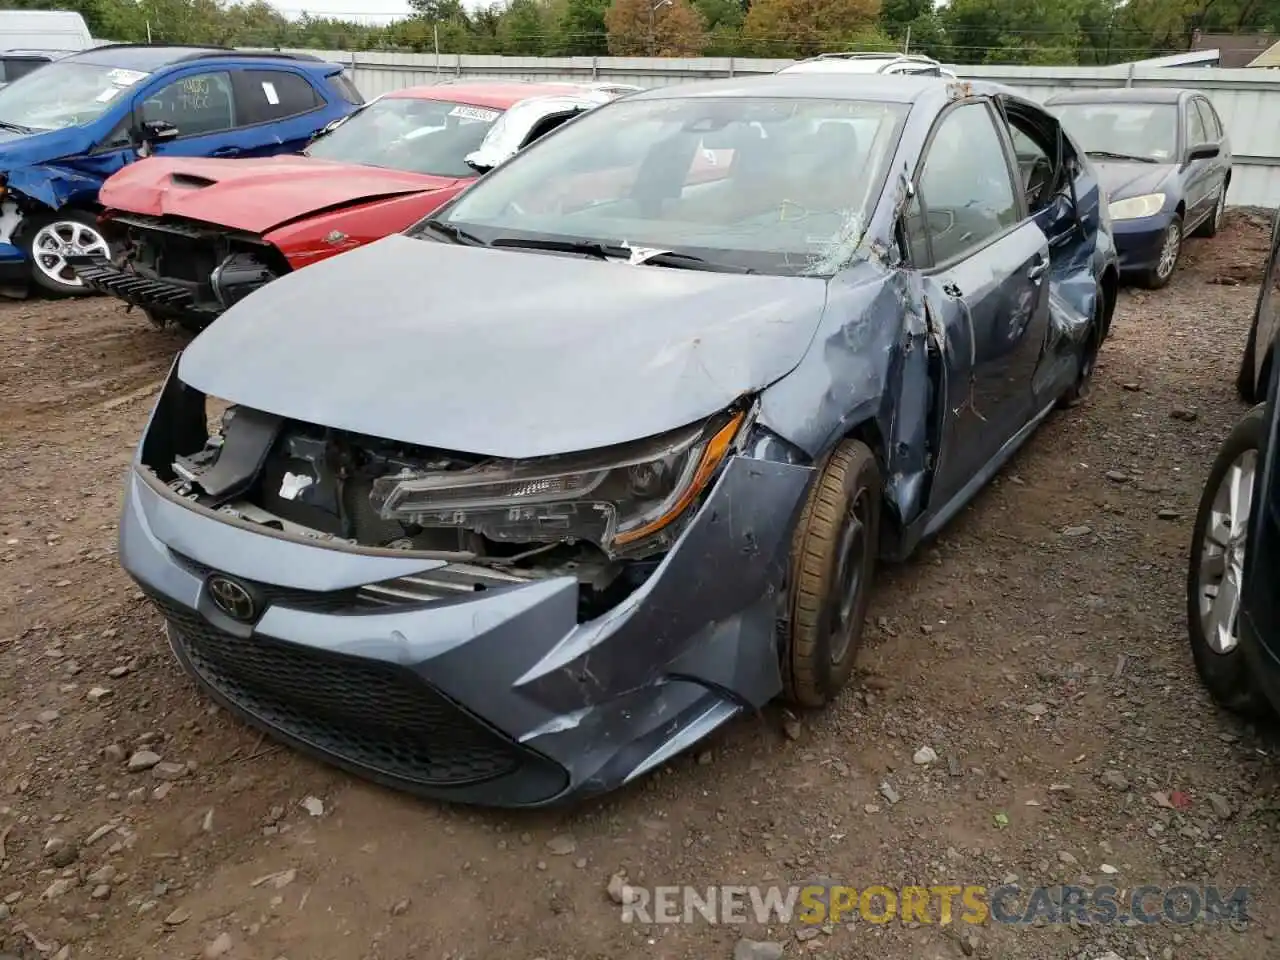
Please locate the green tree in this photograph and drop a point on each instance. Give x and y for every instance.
(582, 28)
(522, 31)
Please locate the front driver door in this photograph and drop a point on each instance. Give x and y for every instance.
(201, 104)
(985, 269)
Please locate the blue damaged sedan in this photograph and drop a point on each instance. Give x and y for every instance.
(617, 456)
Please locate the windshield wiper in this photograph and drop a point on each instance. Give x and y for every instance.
(608, 251)
(1121, 156)
(687, 261)
(591, 248)
(16, 128)
(456, 234)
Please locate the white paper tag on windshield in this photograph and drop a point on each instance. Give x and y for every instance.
(107, 94)
(269, 89)
(125, 78)
(474, 113)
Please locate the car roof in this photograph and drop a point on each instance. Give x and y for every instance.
(498, 94)
(1121, 95)
(33, 52)
(152, 57)
(887, 88)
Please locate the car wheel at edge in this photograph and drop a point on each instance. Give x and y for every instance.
(1170, 252)
(48, 240)
(832, 567)
(1215, 566)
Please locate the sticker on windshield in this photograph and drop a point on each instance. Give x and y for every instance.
(474, 113)
(107, 94)
(125, 78)
(269, 89)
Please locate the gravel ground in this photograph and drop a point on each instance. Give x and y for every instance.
(1037, 649)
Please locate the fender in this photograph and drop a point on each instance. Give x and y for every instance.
(54, 186)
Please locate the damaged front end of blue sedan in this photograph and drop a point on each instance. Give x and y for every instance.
(617, 455)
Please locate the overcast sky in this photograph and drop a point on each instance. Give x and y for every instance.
(378, 11)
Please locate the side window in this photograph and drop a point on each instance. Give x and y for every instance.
(1212, 128)
(1035, 168)
(196, 104)
(965, 190)
(1196, 132)
(547, 124)
(20, 67)
(266, 95)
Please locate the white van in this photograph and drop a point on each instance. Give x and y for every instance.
(52, 30)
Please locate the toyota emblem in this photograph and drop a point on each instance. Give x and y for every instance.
(232, 598)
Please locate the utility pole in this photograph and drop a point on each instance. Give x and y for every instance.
(906, 44)
(653, 9)
(435, 36)
(148, 31)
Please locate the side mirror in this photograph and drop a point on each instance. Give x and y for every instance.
(1205, 151)
(152, 132)
(481, 161)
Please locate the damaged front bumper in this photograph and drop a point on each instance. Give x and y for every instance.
(500, 697)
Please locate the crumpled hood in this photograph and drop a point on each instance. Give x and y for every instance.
(25, 149)
(254, 195)
(499, 352)
(1120, 181)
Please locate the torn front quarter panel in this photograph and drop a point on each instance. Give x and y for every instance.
(867, 371)
(58, 185)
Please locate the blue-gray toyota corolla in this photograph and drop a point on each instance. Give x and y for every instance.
(513, 507)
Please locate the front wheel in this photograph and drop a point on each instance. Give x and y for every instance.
(52, 238)
(1216, 565)
(832, 566)
(1170, 251)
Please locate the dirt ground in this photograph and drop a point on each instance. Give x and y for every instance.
(1038, 648)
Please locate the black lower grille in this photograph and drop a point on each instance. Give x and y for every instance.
(103, 276)
(372, 716)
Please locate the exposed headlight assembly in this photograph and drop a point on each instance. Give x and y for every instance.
(1135, 208)
(627, 500)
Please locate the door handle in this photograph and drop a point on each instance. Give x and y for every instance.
(226, 152)
(1037, 269)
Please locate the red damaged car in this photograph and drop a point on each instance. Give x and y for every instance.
(190, 237)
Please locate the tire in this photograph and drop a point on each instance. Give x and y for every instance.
(840, 525)
(1160, 275)
(78, 232)
(1225, 675)
(1245, 388)
(1211, 226)
(1079, 391)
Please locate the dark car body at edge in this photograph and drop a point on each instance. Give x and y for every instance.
(1194, 181)
(507, 696)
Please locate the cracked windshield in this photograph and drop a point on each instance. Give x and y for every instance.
(422, 136)
(63, 95)
(768, 185)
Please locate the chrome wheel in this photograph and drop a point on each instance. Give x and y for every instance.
(1223, 552)
(1169, 252)
(60, 239)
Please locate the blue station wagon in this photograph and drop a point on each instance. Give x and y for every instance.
(67, 127)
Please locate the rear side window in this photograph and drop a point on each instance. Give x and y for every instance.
(266, 95)
(1211, 125)
(346, 89)
(13, 68)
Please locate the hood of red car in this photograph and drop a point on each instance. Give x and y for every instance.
(255, 195)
